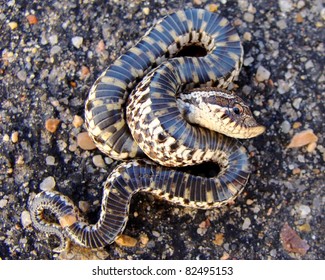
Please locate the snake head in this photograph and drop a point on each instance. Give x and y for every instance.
(220, 111)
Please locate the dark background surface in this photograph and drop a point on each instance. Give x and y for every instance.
(41, 77)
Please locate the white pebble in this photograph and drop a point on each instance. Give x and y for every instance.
(300, 4)
(3, 203)
(146, 11)
(248, 17)
(83, 206)
(22, 75)
(301, 158)
(6, 138)
(309, 64)
(108, 160)
(77, 41)
(50, 160)
(247, 36)
(98, 161)
(262, 74)
(248, 61)
(296, 103)
(47, 184)
(281, 24)
(25, 219)
(155, 233)
(246, 224)
(283, 86)
(304, 211)
(285, 5)
(55, 50)
(53, 39)
(285, 127)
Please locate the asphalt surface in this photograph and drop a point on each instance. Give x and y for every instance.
(50, 60)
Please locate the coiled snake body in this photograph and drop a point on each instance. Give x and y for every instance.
(172, 117)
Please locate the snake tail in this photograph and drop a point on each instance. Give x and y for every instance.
(142, 175)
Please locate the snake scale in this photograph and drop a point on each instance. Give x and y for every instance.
(159, 109)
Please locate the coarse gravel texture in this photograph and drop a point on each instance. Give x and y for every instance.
(46, 70)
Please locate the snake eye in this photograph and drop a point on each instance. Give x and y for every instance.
(237, 109)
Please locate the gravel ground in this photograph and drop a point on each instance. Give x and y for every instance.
(52, 52)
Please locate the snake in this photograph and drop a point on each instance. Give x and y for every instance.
(161, 106)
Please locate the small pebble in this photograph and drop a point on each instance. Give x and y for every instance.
(296, 171)
(77, 41)
(281, 24)
(6, 138)
(51, 125)
(247, 36)
(201, 231)
(300, 4)
(304, 211)
(3, 203)
(285, 127)
(84, 72)
(155, 233)
(273, 253)
(296, 103)
(13, 25)
(299, 18)
(125, 241)
(55, 50)
(22, 75)
(100, 46)
(32, 19)
(20, 160)
(309, 64)
(248, 61)
(50, 160)
(47, 184)
(304, 228)
(285, 5)
(146, 11)
(53, 39)
(246, 224)
(262, 74)
(218, 239)
(144, 239)
(14, 137)
(246, 89)
(296, 125)
(77, 121)
(249, 201)
(213, 8)
(225, 256)
(85, 142)
(283, 86)
(25, 219)
(248, 17)
(83, 206)
(98, 161)
(108, 160)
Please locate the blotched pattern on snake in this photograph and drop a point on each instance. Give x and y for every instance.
(158, 107)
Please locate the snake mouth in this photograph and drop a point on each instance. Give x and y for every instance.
(253, 131)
